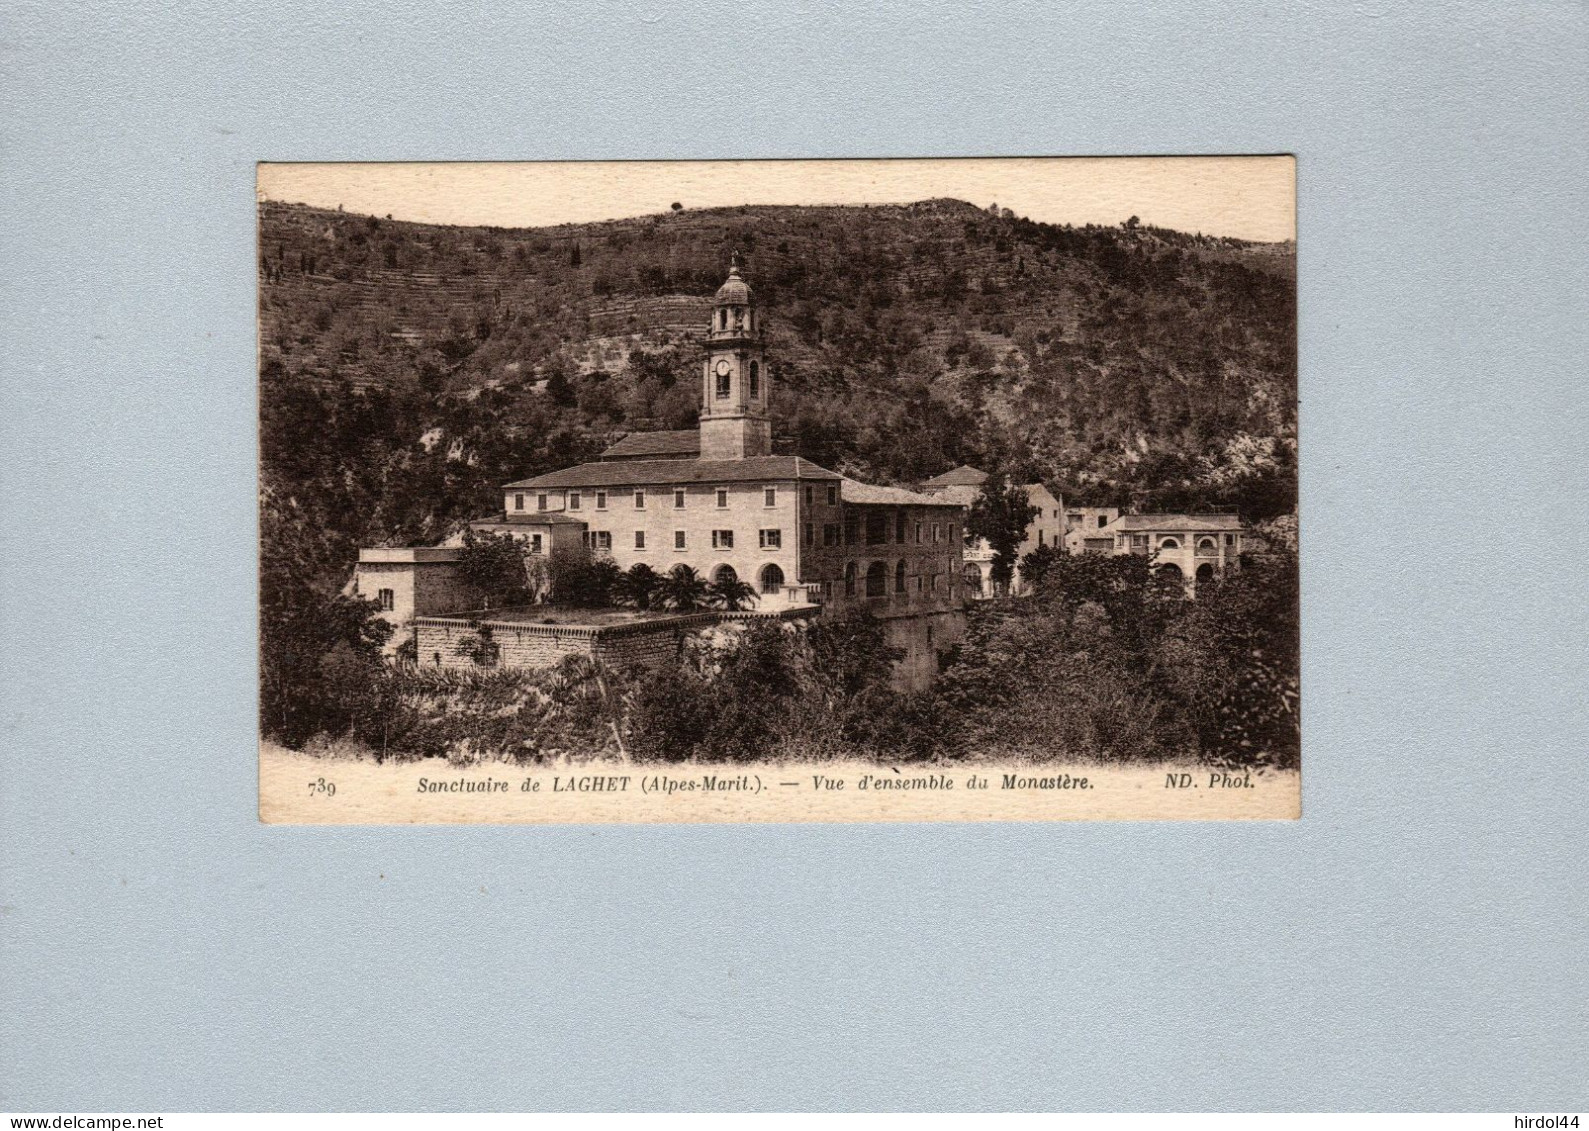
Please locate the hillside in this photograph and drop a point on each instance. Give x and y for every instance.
(407, 369)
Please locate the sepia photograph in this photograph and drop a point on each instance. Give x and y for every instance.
(779, 490)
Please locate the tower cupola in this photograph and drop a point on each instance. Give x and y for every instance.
(734, 308)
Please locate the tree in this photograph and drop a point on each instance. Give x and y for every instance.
(638, 588)
(852, 654)
(316, 646)
(683, 590)
(1234, 660)
(730, 594)
(494, 565)
(558, 386)
(999, 516)
(677, 207)
(1136, 601)
(585, 582)
(1037, 565)
(1046, 682)
(573, 256)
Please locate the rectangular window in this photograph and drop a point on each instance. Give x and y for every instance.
(899, 526)
(387, 599)
(935, 534)
(833, 494)
(951, 534)
(876, 528)
(769, 496)
(518, 502)
(722, 386)
(573, 500)
(1103, 521)
(678, 498)
(722, 539)
(935, 583)
(809, 494)
(811, 534)
(722, 497)
(1230, 539)
(678, 539)
(851, 529)
(772, 539)
(918, 534)
(918, 583)
(1039, 536)
(830, 533)
(639, 499)
(540, 502)
(535, 543)
(601, 500)
(639, 539)
(604, 541)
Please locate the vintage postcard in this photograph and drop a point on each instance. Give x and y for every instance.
(778, 491)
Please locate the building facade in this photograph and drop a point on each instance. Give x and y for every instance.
(1188, 547)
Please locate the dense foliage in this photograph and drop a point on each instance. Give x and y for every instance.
(1105, 662)
(1108, 660)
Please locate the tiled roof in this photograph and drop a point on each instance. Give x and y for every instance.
(408, 554)
(527, 518)
(685, 444)
(1127, 522)
(854, 492)
(643, 473)
(965, 495)
(962, 476)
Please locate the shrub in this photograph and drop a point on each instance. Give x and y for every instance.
(494, 566)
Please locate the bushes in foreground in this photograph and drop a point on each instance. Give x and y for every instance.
(1105, 662)
(1108, 661)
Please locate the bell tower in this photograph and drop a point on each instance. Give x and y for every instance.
(735, 387)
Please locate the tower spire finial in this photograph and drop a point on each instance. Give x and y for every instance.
(733, 262)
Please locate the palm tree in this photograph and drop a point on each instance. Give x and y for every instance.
(730, 594)
(640, 587)
(682, 589)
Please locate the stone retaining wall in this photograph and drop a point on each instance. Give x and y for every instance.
(442, 641)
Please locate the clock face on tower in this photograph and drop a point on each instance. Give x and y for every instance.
(722, 367)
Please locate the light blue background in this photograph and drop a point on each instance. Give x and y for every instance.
(1416, 941)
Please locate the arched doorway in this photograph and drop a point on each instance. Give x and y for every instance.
(972, 574)
(771, 578)
(1171, 572)
(1205, 572)
(876, 580)
(723, 575)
